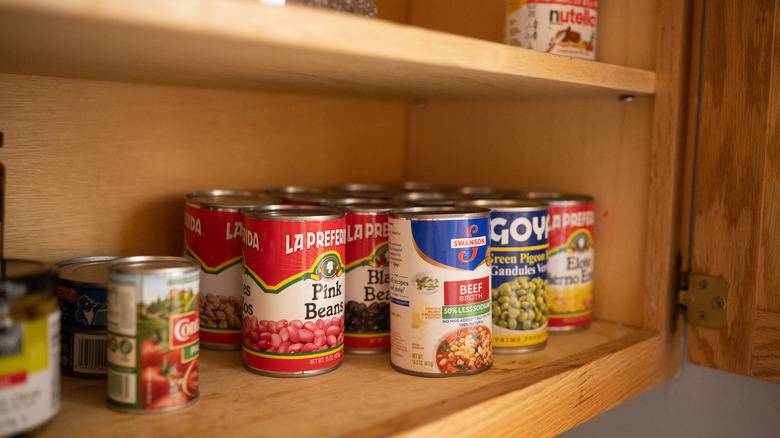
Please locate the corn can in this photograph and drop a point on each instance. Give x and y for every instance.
(519, 243)
(440, 312)
(293, 313)
(82, 286)
(153, 333)
(29, 346)
(570, 228)
(213, 228)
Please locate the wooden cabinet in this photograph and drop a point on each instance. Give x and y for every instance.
(112, 111)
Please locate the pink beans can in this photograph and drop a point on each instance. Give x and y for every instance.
(293, 288)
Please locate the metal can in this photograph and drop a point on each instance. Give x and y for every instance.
(81, 289)
(29, 346)
(563, 27)
(440, 312)
(153, 333)
(519, 242)
(367, 281)
(570, 228)
(213, 227)
(293, 315)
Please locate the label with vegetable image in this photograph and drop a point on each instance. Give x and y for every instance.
(440, 291)
(153, 339)
(519, 272)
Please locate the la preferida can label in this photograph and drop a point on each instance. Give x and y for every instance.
(367, 281)
(570, 267)
(563, 27)
(152, 333)
(293, 314)
(213, 229)
(519, 243)
(440, 312)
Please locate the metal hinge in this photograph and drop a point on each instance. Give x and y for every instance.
(704, 300)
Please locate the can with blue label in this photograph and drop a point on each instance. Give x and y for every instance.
(440, 309)
(519, 244)
(81, 290)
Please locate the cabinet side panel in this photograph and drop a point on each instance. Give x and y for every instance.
(600, 147)
(102, 168)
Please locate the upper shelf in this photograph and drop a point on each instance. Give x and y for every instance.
(242, 44)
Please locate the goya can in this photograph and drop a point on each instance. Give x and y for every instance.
(570, 267)
(213, 227)
(29, 346)
(81, 289)
(367, 281)
(294, 290)
(519, 243)
(153, 333)
(440, 312)
(563, 27)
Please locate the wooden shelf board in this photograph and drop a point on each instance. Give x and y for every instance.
(243, 44)
(576, 376)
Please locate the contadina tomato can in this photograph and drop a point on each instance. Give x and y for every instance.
(81, 289)
(213, 228)
(570, 267)
(440, 312)
(293, 315)
(563, 27)
(29, 346)
(153, 333)
(367, 281)
(519, 242)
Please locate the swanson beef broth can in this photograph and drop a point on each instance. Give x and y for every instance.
(367, 312)
(570, 266)
(519, 242)
(563, 27)
(81, 290)
(213, 228)
(293, 314)
(440, 312)
(153, 333)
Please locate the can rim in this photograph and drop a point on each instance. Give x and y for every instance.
(507, 204)
(66, 268)
(556, 198)
(154, 265)
(293, 212)
(231, 200)
(439, 213)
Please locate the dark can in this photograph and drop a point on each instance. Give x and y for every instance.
(153, 333)
(519, 243)
(81, 290)
(293, 314)
(570, 229)
(440, 312)
(213, 228)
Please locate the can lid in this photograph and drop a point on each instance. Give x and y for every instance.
(364, 205)
(555, 198)
(298, 213)
(229, 199)
(19, 277)
(506, 204)
(440, 213)
(88, 271)
(428, 199)
(154, 265)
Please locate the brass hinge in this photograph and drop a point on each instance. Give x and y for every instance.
(704, 300)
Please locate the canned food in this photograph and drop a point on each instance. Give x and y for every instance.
(212, 237)
(570, 265)
(518, 250)
(29, 346)
(563, 27)
(81, 289)
(365, 191)
(367, 281)
(293, 310)
(440, 312)
(428, 198)
(153, 333)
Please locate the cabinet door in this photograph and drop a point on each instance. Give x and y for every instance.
(736, 209)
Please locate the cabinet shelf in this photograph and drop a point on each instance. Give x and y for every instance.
(246, 45)
(576, 376)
